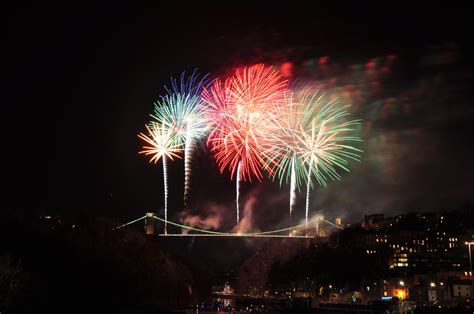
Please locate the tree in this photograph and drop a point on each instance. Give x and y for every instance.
(12, 281)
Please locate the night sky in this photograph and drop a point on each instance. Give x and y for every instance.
(79, 83)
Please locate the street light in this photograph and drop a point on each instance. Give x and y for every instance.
(470, 259)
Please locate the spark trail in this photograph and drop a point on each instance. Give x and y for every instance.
(308, 189)
(188, 158)
(237, 192)
(292, 187)
(165, 187)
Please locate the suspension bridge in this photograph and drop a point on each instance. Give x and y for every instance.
(189, 231)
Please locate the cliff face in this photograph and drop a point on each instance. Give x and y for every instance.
(89, 268)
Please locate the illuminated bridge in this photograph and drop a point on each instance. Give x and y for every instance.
(189, 231)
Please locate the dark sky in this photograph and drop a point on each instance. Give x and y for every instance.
(79, 83)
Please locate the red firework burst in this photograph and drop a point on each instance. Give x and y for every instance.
(242, 109)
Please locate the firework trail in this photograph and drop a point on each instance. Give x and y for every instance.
(242, 108)
(308, 189)
(181, 110)
(161, 144)
(292, 187)
(237, 192)
(188, 150)
(165, 187)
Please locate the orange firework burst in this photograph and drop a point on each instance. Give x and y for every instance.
(162, 145)
(161, 142)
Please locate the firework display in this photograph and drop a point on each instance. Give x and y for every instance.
(161, 144)
(255, 123)
(313, 140)
(241, 109)
(180, 110)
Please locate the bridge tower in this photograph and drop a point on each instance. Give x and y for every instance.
(319, 227)
(149, 224)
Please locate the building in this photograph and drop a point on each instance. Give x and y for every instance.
(461, 289)
(428, 288)
(418, 243)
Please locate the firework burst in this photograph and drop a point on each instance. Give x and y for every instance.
(313, 141)
(161, 144)
(180, 109)
(242, 108)
(283, 156)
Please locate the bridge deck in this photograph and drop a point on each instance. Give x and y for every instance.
(235, 235)
(209, 233)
